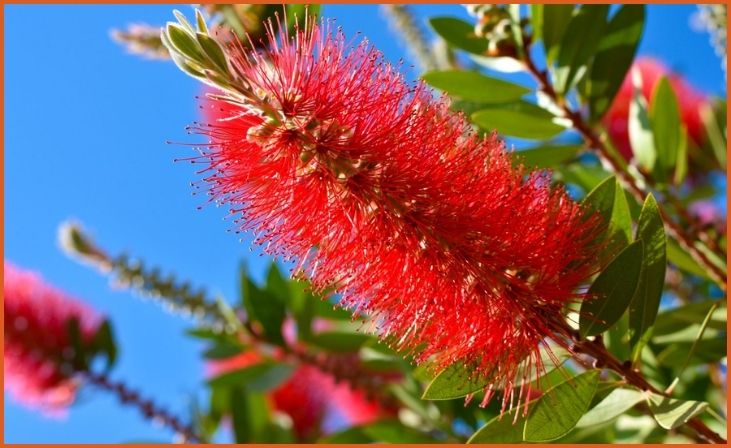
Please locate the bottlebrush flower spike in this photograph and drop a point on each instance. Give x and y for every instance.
(39, 351)
(376, 189)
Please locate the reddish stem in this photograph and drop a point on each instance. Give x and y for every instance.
(595, 142)
(147, 407)
(598, 351)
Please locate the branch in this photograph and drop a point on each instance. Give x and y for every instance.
(629, 182)
(180, 298)
(634, 377)
(146, 406)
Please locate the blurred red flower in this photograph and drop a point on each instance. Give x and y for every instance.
(315, 402)
(381, 192)
(651, 71)
(38, 346)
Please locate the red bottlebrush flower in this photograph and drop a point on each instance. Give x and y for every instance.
(311, 398)
(38, 346)
(378, 190)
(690, 102)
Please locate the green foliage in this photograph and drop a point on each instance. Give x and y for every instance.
(549, 417)
(474, 86)
(383, 431)
(548, 156)
(101, 344)
(518, 119)
(640, 130)
(670, 413)
(459, 34)
(646, 300)
(667, 128)
(336, 341)
(507, 428)
(611, 292)
(714, 122)
(455, 381)
(554, 20)
(610, 202)
(560, 408)
(614, 55)
(575, 54)
(258, 377)
(618, 402)
(680, 258)
(265, 306)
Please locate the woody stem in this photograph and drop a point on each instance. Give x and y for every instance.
(598, 351)
(355, 377)
(146, 406)
(592, 139)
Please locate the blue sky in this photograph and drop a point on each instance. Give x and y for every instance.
(85, 132)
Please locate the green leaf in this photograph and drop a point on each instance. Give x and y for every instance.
(715, 130)
(264, 307)
(542, 157)
(614, 56)
(474, 86)
(515, 20)
(103, 343)
(249, 415)
(520, 119)
(671, 413)
(609, 200)
(257, 378)
(617, 338)
(646, 301)
(680, 258)
(666, 126)
(536, 20)
(681, 161)
(223, 350)
(383, 431)
(455, 381)
(587, 177)
(578, 45)
(184, 43)
(560, 408)
(707, 351)
(329, 310)
(210, 334)
(302, 304)
(686, 333)
(200, 22)
(459, 34)
(276, 284)
(183, 21)
(501, 429)
(694, 313)
(184, 64)
(611, 292)
(338, 341)
(213, 50)
(640, 128)
(80, 358)
(553, 27)
(615, 404)
(393, 431)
